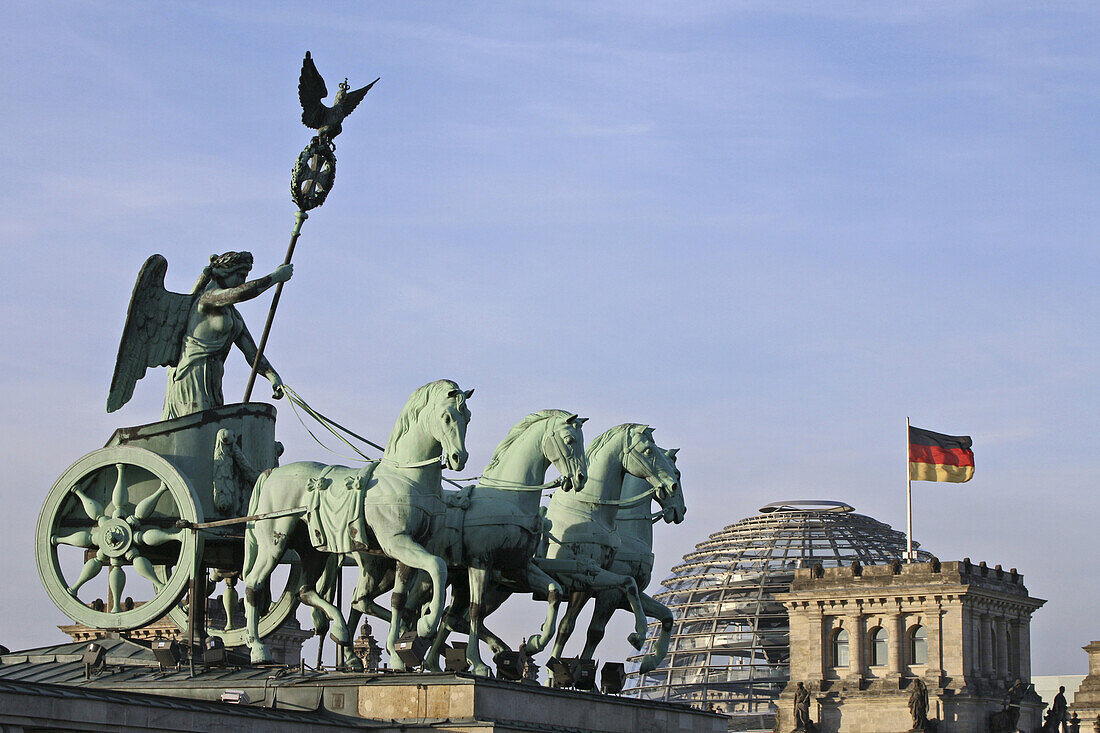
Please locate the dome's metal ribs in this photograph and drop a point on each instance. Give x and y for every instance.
(730, 645)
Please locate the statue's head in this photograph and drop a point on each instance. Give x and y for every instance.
(229, 268)
(672, 503)
(342, 91)
(646, 460)
(563, 445)
(447, 416)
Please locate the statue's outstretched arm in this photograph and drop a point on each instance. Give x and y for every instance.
(221, 297)
(247, 346)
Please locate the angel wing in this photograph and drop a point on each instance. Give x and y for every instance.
(153, 334)
(311, 90)
(352, 99)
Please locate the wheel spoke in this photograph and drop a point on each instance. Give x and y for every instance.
(153, 537)
(146, 506)
(119, 495)
(145, 569)
(82, 538)
(116, 581)
(92, 508)
(89, 571)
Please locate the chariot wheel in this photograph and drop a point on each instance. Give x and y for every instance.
(116, 509)
(280, 607)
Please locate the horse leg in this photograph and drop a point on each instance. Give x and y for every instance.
(460, 598)
(569, 621)
(326, 587)
(403, 549)
(431, 659)
(606, 603)
(397, 608)
(478, 578)
(314, 567)
(657, 610)
(229, 601)
(536, 578)
(374, 571)
(265, 543)
(607, 580)
(496, 644)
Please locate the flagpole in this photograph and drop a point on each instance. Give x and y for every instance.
(908, 500)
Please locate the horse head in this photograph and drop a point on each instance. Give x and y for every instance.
(447, 423)
(563, 446)
(673, 503)
(644, 459)
(439, 412)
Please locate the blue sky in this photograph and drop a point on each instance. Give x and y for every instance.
(771, 230)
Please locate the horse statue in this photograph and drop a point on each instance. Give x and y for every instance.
(496, 536)
(580, 544)
(634, 526)
(389, 505)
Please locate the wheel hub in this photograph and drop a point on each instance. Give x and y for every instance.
(117, 538)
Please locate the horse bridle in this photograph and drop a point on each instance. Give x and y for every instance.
(493, 483)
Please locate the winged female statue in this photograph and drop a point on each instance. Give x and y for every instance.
(190, 334)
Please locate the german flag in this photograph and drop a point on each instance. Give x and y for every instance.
(939, 457)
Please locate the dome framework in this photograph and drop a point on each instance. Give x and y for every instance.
(730, 644)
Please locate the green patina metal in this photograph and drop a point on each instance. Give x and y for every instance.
(401, 497)
(634, 558)
(198, 498)
(495, 534)
(581, 541)
(120, 505)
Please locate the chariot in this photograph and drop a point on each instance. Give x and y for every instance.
(158, 508)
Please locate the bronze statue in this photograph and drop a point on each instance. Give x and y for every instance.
(1007, 719)
(802, 722)
(1056, 716)
(327, 121)
(918, 704)
(190, 334)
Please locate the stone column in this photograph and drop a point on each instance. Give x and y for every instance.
(856, 665)
(1001, 651)
(987, 669)
(816, 632)
(974, 627)
(934, 669)
(803, 633)
(1014, 649)
(1024, 640)
(895, 627)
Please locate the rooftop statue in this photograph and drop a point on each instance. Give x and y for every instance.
(496, 535)
(191, 334)
(327, 121)
(634, 558)
(918, 704)
(387, 506)
(802, 721)
(579, 539)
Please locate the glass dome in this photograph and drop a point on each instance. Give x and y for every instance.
(730, 645)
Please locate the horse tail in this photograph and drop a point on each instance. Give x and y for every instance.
(250, 545)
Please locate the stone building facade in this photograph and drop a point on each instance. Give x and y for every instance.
(1086, 703)
(861, 637)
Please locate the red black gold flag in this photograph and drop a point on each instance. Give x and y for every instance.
(939, 457)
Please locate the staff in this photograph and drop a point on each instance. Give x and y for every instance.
(315, 170)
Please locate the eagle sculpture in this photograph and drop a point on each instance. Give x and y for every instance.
(311, 90)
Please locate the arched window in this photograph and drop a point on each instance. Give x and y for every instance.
(840, 648)
(878, 647)
(918, 645)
